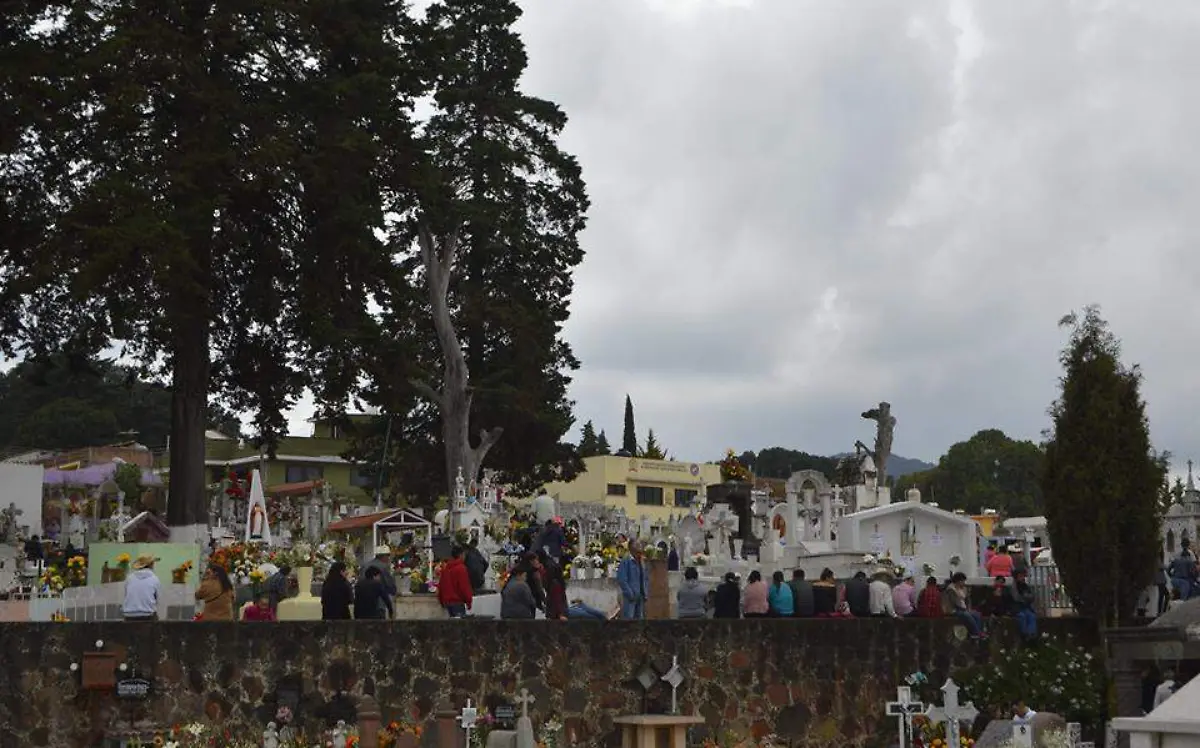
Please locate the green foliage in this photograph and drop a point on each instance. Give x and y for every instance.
(57, 403)
(987, 471)
(487, 162)
(629, 443)
(778, 462)
(128, 478)
(1068, 681)
(602, 444)
(1102, 478)
(589, 443)
(653, 450)
(199, 185)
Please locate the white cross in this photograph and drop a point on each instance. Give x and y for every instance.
(1074, 734)
(951, 713)
(524, 699)
(467, 719)
(904, 709)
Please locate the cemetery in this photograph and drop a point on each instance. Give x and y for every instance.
(420, 680)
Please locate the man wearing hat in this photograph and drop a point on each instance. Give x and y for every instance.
(383, 562)
(141, 591)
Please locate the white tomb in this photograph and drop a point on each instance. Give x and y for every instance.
(1174, 724)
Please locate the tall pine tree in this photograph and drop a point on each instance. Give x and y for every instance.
(602, 446)
(653, 450)
(1102, 477)
(629, 443)
(589, 444)
(196, 182)
(492, 246)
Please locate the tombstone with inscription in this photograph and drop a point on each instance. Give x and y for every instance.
(503, 736)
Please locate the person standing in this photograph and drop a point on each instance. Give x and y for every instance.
(454, 587)
(516, 600)
(635, 588)
(1001, 564)
(476, 565)
(371, 600)
(336, 594)
(141, 591)
(383, 562)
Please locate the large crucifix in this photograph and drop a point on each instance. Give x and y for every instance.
(904, 709)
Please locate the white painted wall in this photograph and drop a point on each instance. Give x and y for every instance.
(940, 535)
(21, 484)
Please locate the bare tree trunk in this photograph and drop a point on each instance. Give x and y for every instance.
(454, 398)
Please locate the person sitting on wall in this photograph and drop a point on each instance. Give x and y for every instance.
(1021, 604)
(929, 602)
(727, 601)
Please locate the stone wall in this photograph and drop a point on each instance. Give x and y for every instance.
(814, 682)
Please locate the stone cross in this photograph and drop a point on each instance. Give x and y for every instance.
(673, 678)
(904, 709)
(952, 713)
(270, 736)
(468, 718)
(525, 737)
(721, 525)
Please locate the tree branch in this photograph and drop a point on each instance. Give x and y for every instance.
(428, 392)
(487, 440)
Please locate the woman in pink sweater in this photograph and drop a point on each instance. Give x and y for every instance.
(755, 599)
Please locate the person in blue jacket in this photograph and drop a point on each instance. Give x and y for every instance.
(632, 579)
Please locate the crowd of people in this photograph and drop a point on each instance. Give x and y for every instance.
(537, 582)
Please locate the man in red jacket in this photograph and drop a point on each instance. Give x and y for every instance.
(454, 587)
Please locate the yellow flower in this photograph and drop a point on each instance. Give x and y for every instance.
(123, 559)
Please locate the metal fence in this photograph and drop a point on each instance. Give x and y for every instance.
(1050, 597)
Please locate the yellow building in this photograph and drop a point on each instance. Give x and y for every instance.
(987, 523)
(655, 488)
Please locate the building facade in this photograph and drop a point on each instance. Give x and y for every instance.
(654, 488)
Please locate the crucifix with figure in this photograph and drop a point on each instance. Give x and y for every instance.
(951, 713)
(904, 709)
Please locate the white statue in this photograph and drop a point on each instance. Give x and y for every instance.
(270, 736)
(687, 550)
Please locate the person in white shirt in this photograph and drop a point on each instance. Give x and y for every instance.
(1165, 690)
(882, 605)
(1022, 714)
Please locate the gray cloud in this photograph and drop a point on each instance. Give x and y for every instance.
(802, 207)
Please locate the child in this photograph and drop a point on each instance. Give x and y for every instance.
(260, 610)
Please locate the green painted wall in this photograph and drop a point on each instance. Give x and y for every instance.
(171, 555)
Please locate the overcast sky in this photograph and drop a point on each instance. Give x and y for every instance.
(800, 208)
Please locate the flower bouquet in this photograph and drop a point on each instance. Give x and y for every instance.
(179, 573)
(76, 571)
(700, 559)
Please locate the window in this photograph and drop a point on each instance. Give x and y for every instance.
(650, 495)
(362, 477)
(302, 473)
(616, 489)
(685, 496)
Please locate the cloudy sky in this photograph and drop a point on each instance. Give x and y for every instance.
(802, 207)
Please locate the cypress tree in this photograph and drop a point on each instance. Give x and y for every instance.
(629, 438)
(589, 445)
(1102, 477)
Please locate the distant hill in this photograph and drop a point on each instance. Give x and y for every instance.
(900, 466)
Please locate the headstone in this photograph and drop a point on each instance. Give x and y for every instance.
(270, 736)
(952, 713)
(502, 739)
(1022, 735)
(468, 718)
(998, 733)
(525, 737)
(904, 709)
